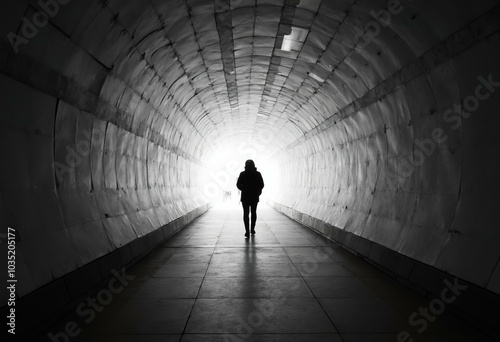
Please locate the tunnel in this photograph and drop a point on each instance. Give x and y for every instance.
(373, 124)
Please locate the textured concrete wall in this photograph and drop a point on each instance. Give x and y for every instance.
(411, 165)
(90, 163)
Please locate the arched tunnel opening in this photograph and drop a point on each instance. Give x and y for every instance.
(374, 123)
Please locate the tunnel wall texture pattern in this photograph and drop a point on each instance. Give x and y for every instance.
(110, 111)
(411, 167)
(89, 167)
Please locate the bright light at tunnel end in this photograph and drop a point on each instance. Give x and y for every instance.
(218, 183)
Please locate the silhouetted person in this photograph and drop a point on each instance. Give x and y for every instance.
(250, 183)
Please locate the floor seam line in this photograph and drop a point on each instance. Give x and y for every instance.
(197, 293)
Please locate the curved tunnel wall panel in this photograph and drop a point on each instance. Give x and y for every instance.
(97, 177)
(347, 171)
(108, 191)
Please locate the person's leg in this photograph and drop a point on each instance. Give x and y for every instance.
(246, 210)
(254, 216)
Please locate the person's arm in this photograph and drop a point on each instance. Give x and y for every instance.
(261, 182)
(239, 182)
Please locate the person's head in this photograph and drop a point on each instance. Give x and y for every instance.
(249, 165)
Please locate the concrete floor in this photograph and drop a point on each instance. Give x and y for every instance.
(286, 283)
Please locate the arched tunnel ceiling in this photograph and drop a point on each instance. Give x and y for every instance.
(220, 64)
